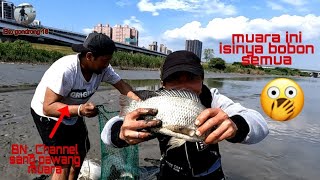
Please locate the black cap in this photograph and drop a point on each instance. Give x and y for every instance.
(182, 61)
(97, 43)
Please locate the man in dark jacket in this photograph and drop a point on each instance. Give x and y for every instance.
(222, 120)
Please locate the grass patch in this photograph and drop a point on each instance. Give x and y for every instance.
(62, 49)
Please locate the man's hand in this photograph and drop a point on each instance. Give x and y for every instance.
(133, 96)
(217, 124)
(131, 128)
(88, 110)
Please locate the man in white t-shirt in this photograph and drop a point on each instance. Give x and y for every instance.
(71, 81)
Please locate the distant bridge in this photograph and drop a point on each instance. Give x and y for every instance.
(315, 74)
(62, 37)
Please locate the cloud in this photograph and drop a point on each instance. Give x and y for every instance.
(123, 3)
(87, 30)
(195, 6)
(134, 22)
(274, 6)
(295, 2)
(286, 5)
(223, 28)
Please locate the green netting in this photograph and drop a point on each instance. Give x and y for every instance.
(117, 163)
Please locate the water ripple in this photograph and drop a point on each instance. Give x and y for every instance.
(309, 133)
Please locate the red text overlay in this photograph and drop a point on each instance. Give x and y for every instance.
(17, 32)
(256, 46)
(41, 162)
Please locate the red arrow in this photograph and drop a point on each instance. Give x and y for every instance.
(64, 112)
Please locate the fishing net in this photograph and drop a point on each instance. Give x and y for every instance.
(117, 163)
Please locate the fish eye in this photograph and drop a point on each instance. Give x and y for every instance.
(291, 92)
(273, 92)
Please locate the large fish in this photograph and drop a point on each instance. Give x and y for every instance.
(177, 109)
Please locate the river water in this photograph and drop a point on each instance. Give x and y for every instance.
(290, 151)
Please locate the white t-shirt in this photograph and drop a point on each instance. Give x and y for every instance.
(65, 78)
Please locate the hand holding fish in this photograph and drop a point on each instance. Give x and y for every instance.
(133, 125)
(88, 110)
(215, 118)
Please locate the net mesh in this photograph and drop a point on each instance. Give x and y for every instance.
(117, 163)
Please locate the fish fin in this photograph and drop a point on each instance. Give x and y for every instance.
(181, 130)
(126, 105)
(145, 94)
(179, 93)
(175, 142)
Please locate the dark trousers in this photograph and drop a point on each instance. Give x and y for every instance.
(66, 135)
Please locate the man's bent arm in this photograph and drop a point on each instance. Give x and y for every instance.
(126, 89)
(52, 104)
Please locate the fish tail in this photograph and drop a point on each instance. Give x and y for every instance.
(175, 142)
(126, 105)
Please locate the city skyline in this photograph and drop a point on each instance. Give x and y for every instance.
(127, 35)
(118, 33)
(162, 48)
(171, 22)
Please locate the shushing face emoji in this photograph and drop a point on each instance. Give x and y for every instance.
(282, 99)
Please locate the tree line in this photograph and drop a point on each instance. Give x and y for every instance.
(218, 64)
(23, 51)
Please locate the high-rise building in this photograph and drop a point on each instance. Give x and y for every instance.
(133, 39)
(118, 33)
(169, 51)
(6, 10)
(107, 30)
(163, 49)
(194, 46)
(125, 34)
(153, 46)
